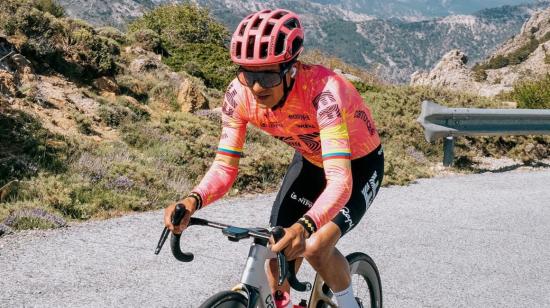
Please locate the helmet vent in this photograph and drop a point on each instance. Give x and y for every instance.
(268, 29)
(241, 30)
(256, 23)
(263, 50)
(238, 49)
(280, 45)
(278, 15)
(250, 47)
(291, 23)
(296, 45)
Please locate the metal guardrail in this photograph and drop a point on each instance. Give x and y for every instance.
(442, 122)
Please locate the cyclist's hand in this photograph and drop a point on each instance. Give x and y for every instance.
(293, 243)
(190, 205)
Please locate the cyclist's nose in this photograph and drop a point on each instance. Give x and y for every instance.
(257, 88)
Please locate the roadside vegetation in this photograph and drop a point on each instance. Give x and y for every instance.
(139, 149)
(533, 94)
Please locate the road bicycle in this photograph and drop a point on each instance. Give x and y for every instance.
(254, 291)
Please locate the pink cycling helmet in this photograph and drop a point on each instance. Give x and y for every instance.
(267, 37)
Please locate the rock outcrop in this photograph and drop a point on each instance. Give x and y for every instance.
(450, 72)
(191, 97)
(190, 91)
(526, 55)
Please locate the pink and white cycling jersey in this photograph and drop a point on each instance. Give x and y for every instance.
(324, 118)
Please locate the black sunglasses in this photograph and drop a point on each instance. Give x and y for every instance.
(266, 79)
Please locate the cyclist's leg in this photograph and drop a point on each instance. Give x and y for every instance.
(320, 249)
(302, 184)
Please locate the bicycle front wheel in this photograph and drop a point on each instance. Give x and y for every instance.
(226, 299)
(365, 279)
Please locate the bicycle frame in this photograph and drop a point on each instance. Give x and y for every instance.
(254, 278)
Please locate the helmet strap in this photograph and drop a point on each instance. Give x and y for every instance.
(286, 87)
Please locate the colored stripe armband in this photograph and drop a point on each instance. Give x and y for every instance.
(233, 152)
(345, 155)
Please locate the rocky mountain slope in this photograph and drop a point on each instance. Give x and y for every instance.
(415, 10)
(525, 56)
(354, 31)
(95, 122)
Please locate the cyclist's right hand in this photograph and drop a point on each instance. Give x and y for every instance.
(190, 205)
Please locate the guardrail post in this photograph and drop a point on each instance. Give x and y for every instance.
(448, 151)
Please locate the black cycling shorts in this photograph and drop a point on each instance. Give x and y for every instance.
(304, 182)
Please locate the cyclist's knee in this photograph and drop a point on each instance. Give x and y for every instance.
(316, 253)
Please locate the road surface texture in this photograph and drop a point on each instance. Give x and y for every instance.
(461, 241)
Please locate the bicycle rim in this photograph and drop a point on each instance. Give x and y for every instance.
(226, 299)
(365, 280)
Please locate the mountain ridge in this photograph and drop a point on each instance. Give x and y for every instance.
(392, 48)
(525, 56)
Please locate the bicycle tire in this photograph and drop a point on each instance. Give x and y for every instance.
(362, 266)
(226, 299)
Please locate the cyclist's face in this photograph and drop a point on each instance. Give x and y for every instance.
(265, 96)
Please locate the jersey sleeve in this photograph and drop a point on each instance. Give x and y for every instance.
(336, 152)
(223, 172)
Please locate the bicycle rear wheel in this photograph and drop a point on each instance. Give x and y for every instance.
(226, 299)
(365, 279)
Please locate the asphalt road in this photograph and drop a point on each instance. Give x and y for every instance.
(463, 241)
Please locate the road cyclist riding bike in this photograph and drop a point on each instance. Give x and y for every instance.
(338, 164)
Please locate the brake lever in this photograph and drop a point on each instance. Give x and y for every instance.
(278, 233)
(176, 219)
(288, 269)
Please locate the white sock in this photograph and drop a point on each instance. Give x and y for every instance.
(345, 298)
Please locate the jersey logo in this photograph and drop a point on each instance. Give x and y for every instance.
(371, 189)
(303, 117)
(360, 114)
(329, 113)
(311, 140)
(305, 125)
(229, 103)
(324, 98)
(349, 221)
(290, 141)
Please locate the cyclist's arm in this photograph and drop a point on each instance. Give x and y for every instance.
(223, 172)
(336, 154)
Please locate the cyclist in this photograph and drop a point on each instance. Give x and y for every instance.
(338, 164)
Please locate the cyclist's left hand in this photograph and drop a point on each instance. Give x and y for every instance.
(293, 243)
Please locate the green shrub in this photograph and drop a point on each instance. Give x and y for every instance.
(191, 40)
(84, 125)
(516, 57)
(50, 6)
(30, 149)
(178, 25)
(206, 61)
(112, 33)
(71, 47)
(147, 39)
(115, 115)
(533, 94)
(480, 74)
